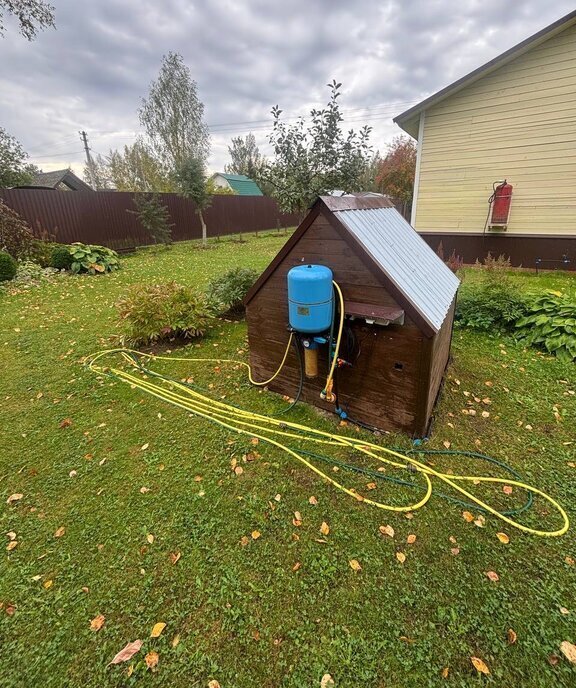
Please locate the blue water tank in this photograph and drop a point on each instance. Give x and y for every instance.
(310, 298)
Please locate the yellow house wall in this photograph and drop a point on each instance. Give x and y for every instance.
(519, 124)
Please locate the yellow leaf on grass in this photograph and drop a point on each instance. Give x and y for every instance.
(504, 539)
(11, 535)
(238, 470)
(569, 561)
(371, 486)
(244, 540)
(355, 565)
(175, 557)
(480, 665)
(467, 516)
(387, 530)
(97, 622)
(447, 444)
(493, 576)
(144, 447)
(296, 566)
(324, 528)
(151, 659)
(175, 640)
(445, 672)
(507, 489)
(157, 629)
(326, 681)
(297, 520)
(511, 636)
(213, 684)
(569, 651)
(256, 534)
(12, 545)
(149, 538)
(48, 584)
(312, 500)
(401, 557)
(60, 532)
(411, 539)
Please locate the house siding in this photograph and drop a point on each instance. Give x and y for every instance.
(516, 123)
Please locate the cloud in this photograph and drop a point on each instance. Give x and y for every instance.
(246, 56)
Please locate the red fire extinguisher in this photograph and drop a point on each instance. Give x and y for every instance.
(500, 204)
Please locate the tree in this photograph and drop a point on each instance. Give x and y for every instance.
(246, 158)
(173, 117)
(193, 184)
(14, 168)
(310, 161)
(154, 216)
(368, 180)
(32, 15)
(397, 170)
(134, 168)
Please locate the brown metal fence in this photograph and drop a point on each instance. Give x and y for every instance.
(102, 217)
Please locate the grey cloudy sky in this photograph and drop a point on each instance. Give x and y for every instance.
(246, 56)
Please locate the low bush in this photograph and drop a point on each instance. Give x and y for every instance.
(227, 291)
(61, 258)
(15, 235)
(8, 267)
(153, 312)
(29, 272)
(93, 259)
(41, 252)
(550, 324)
(490, 306)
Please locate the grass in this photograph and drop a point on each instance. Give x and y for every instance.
(243, 615)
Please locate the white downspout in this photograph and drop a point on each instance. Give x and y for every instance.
(417, 172)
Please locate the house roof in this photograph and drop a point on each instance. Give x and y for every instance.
(242, 185)
(408, 120)
(416, 277)
(66, 177)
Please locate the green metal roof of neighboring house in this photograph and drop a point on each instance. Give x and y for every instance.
(242, 185)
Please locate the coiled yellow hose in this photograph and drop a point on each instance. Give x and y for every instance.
(271, 430)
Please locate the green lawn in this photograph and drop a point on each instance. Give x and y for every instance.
(243, 615)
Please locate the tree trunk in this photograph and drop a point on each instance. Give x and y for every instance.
(204, 232)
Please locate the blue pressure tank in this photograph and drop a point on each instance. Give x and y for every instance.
(310, 298)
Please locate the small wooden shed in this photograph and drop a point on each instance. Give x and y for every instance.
(399, 300)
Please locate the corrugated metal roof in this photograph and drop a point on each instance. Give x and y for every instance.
(406, 259)
(242, 185)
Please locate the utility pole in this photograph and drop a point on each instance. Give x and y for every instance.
(89, 161)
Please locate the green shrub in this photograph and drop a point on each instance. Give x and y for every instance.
(30, 272)
(152, 312)
(154, 217)
(15, 235)
(8, 267)
(41, 252)
(550, 323)
(61, 258)
(491, 305)
(93, 259)
(227, 291)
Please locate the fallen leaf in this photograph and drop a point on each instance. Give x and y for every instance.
(387, 530)
(445, 672)
(157, 629)
(411, 539)
(479, 665)
(127, 652)
(175, 640)
(255, 534)
(144, 447)
(11, 535)
(66, 423)
(447, 444)
(97, 622)
(213, 684)
(296, 566)
(48, 584)
(569, 561)
(493, 576)
(254, 440)
(371, 486)
(60, 532)
(149, 538)
(278, 497)
(553, 660)
(244, 540)
(297, 520)
(144, 490)
(455, 551)
(485, 414)
(480, 521)
(14, 498)
(324, 528)
(511, 636)
(197, 478)
(312, 500)
(355, 565)
(11, 545)
(563, 610)
(467, 516)
(507, 489)
(175, 557)
(238, 470)
(73, 474)
(401, 557)
(151, 659)
(326, 681)
(568, 650)
(504, 539)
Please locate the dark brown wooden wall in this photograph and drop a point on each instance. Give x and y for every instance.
(375, 390)
(440, 354)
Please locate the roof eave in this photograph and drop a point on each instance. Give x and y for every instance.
(404, 119)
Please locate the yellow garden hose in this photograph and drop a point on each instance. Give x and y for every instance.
(327, 392)
(272, 430)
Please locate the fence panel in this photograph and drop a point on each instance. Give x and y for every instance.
(103, 217)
